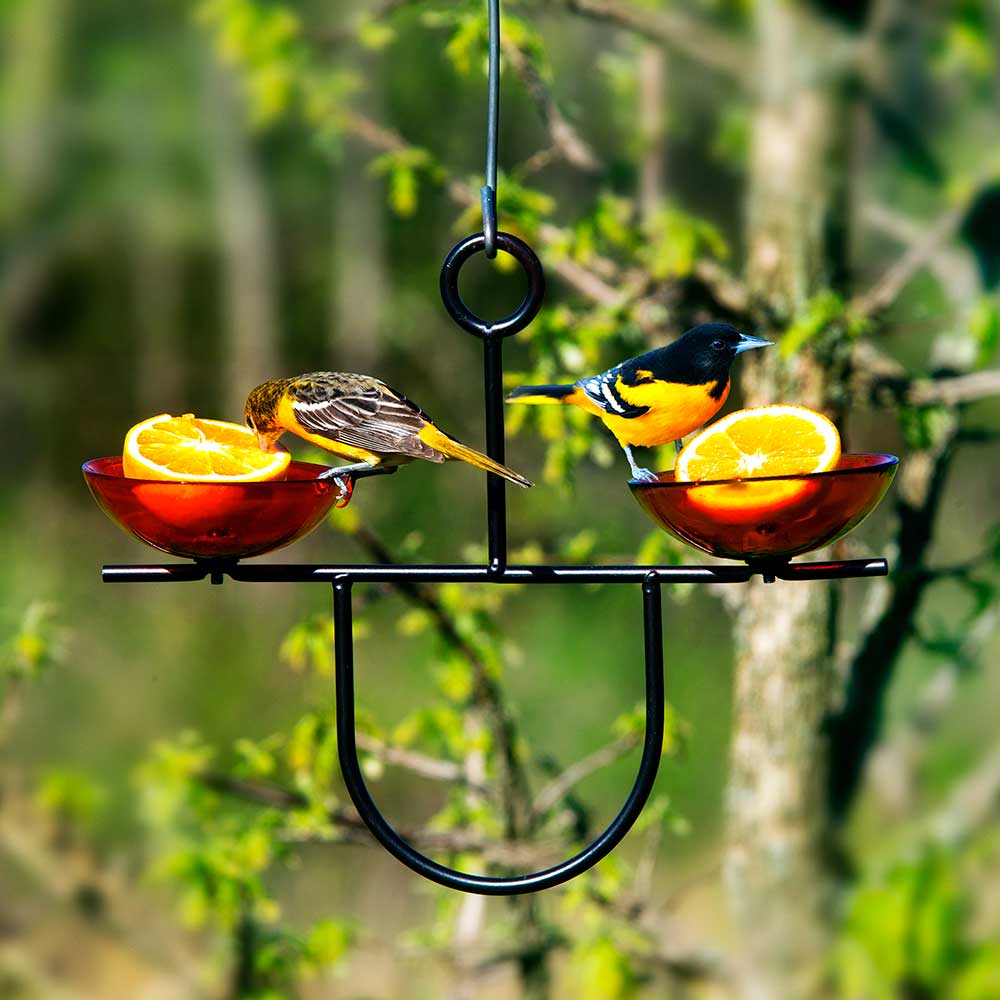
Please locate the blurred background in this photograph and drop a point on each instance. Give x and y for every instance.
(196, 196)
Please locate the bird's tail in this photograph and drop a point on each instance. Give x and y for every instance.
(542, 394)
(455, 449)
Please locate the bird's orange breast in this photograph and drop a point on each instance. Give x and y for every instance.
(674, 411)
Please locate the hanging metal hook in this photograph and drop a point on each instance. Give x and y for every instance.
(488, 193)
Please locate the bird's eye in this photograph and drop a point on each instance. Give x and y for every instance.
(718, 345)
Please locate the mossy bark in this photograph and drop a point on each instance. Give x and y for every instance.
(778, 881)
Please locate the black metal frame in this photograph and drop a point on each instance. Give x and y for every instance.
(496, 570)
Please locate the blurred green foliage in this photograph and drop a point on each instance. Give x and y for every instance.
(115, 170)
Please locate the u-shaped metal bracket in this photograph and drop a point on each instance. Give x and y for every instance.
(484, 884)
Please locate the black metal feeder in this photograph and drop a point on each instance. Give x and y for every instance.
(847, 495)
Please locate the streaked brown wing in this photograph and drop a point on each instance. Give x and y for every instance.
(367, 417)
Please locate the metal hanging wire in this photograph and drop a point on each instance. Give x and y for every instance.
(488, 192)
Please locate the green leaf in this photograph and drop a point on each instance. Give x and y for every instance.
(308, 645)
(69, 797)
(375, 35)
(905, 927)
(984, 325)
(814, 318)
(404, 168)
(36, 644)
(602, 972)
(979, 978)
(257, 758)
(923, 427)
(580, 547)
(328, 942)
(467, 46)
(675, 239)
(414, 622)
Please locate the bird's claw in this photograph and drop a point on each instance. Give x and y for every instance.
(345, 487)
(645, 476)
(345, 484)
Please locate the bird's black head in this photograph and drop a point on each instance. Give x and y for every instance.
(703, 355)
(718, 340)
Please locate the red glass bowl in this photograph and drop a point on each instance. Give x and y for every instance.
(213, 520)
(771, 518)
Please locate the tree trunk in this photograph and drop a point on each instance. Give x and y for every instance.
(778, 883)
(652, 81)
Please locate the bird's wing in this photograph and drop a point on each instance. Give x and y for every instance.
(603, 390)
(366, 415)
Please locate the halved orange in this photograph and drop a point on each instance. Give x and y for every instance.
(194, 450)
(779, 440)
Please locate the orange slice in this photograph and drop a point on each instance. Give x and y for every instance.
(780, 440)
(193, 450)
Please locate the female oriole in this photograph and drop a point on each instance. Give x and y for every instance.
(659, 396)
(356, 417)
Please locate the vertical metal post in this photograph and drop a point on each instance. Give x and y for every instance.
(496, 496)
(652, 624)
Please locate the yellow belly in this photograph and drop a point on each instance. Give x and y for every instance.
(286, 417)
(674, 411)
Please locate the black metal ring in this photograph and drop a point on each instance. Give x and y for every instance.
(463, 315)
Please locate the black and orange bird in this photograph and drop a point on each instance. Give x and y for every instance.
(358, 418)
(661, 395)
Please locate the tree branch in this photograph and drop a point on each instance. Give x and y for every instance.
(563, 136)
(884, 381)
(927, 247)
(854, 729)
(557, 789)
(956, 389)
(897, 276)
(973, 800)
(895, 762)
(418, 763)
(579, 278)
(688, 36)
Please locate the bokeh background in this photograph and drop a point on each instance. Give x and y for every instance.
(198, 196)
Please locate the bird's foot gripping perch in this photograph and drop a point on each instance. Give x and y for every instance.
(342, 476)
(639, 473)
(342, 471)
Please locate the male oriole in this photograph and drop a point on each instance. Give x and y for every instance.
(659, 396)
(356, 417)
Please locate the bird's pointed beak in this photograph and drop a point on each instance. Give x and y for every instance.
(264, 444)
(748, 343)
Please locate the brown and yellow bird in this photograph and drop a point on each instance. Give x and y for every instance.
(359, 418)
(661, 395)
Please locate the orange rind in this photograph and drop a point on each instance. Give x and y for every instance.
(192, 449)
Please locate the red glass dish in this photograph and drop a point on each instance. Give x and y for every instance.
(213, 520)
(768, 518)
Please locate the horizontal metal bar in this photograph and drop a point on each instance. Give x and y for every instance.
(832, 570)
(167, 573)
(298, 573)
